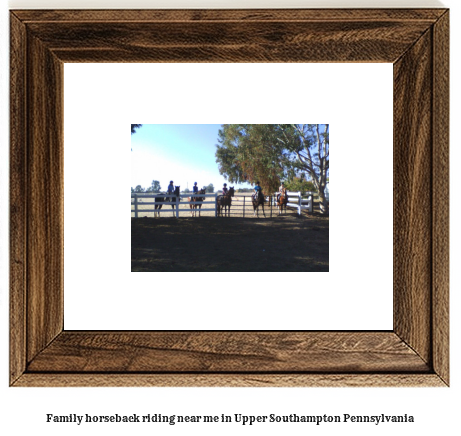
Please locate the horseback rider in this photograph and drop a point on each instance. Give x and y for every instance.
(170, 188)
(195, 188)
(257, 190)
(224, 189)
(281, 190)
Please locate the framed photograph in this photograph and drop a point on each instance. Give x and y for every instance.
(414, 353)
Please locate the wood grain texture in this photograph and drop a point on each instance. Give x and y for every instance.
(413, 196)
(236, 352)
(205, 15)
(357, 41)
(18, 192)
(414, 354)
(45, 199)
(441, 212)
(230, 380)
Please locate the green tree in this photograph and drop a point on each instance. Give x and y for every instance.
(139, 189)
(186, 191)
(251, 153)
(134, 127)
(297, 184)
(310, 144)
(273, 152)
(155, 186)
(209, 188)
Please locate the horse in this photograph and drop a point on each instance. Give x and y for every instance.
(159, 200)
(257, 202)
(224, 201)
(173, 199)
(282, 201)
(193, 207)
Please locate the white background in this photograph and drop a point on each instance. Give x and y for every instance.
(435, 410)
(355, 99)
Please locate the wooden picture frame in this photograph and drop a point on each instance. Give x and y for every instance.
(414, 353)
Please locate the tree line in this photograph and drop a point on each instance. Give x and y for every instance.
(297, 154)
(155, 188)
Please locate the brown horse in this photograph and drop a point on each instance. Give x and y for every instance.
(193, 207)
(282, 201)
(259, 201)
(224, 202)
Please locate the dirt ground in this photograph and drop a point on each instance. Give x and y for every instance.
(280, 243)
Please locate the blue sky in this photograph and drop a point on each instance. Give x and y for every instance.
(184, 153)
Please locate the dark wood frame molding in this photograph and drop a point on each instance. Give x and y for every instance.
(414, 353)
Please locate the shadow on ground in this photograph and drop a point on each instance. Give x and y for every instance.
(287, 243)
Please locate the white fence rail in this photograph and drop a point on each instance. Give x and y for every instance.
(175, 204)
(296, 200)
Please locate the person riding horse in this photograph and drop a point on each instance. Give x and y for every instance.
(282, 199)
(282, 190)
(257, 191)
(173, 190)
(170, 188)
(258, 199)
(195, 188)
(224, 202)
(193, 199)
